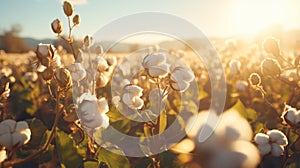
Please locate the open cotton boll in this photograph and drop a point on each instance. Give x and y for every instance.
(276, 150)
(225, 158)
(134, 90)
(264, 148)
(261, 138)
(289, 116)
(195, 123)
(103, 105)
(159, 70)
(233, 131)
(278, 137)
(154, 59)
(251, 153)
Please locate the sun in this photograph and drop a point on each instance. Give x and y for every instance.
(254, 16)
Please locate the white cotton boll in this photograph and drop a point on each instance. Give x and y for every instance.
(232, 131)
(103, 105)
(278, 137)
(100, 64)
(289, 116)
(91, 111)
(3, 155)
(261, 138)
(250, 154)
(181, 78)
(277, 150)
(77, 71)
(138, 103)
(225, 159)
(10, 124)
(31, 76)
(116, 100)
(184, 146)
(133, 89)
(153, 60)
(264, 149)
(6, 140)
(43, 50)
(159, 70)
(127, 98)
(180, 86)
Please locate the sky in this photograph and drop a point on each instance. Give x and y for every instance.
(213, 17)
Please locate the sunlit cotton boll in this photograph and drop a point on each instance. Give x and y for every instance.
(77, 71)
(14, 133)
(277, 137)
(3, 155)
(92, 112)
(45, 50)
(234, 66)
(155, 65)
(131, 96)
(100, 64)
(181, 78)
(31, 76)
(275, 144)
(291, 116)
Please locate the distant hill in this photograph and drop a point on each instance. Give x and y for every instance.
(32, 43)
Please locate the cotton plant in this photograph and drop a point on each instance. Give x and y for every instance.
(273, 142)
(159, 80)
(82, 76)
(277, 66)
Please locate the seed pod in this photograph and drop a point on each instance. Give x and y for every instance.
(47, 74)
(271, 45)
(254, 79)
(87, 41)
(63, 77)
(270, 67)
(76, 20)
(56, 26)
(46, 61)
(68, 8)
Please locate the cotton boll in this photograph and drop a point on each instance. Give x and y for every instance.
(277, 150)
(278, 137)
(6, 140)
(264, 149)
(103, 105)
(289, 116)
(261, 138)
(232, 131)
(10, 124)
(225, 159)
(251, 153)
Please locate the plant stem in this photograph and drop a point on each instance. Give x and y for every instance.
(70, 38)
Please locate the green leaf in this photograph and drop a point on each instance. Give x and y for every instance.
(90, 164)
(67, 153)
(247, 113)
(112, 159)
(162, 121)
